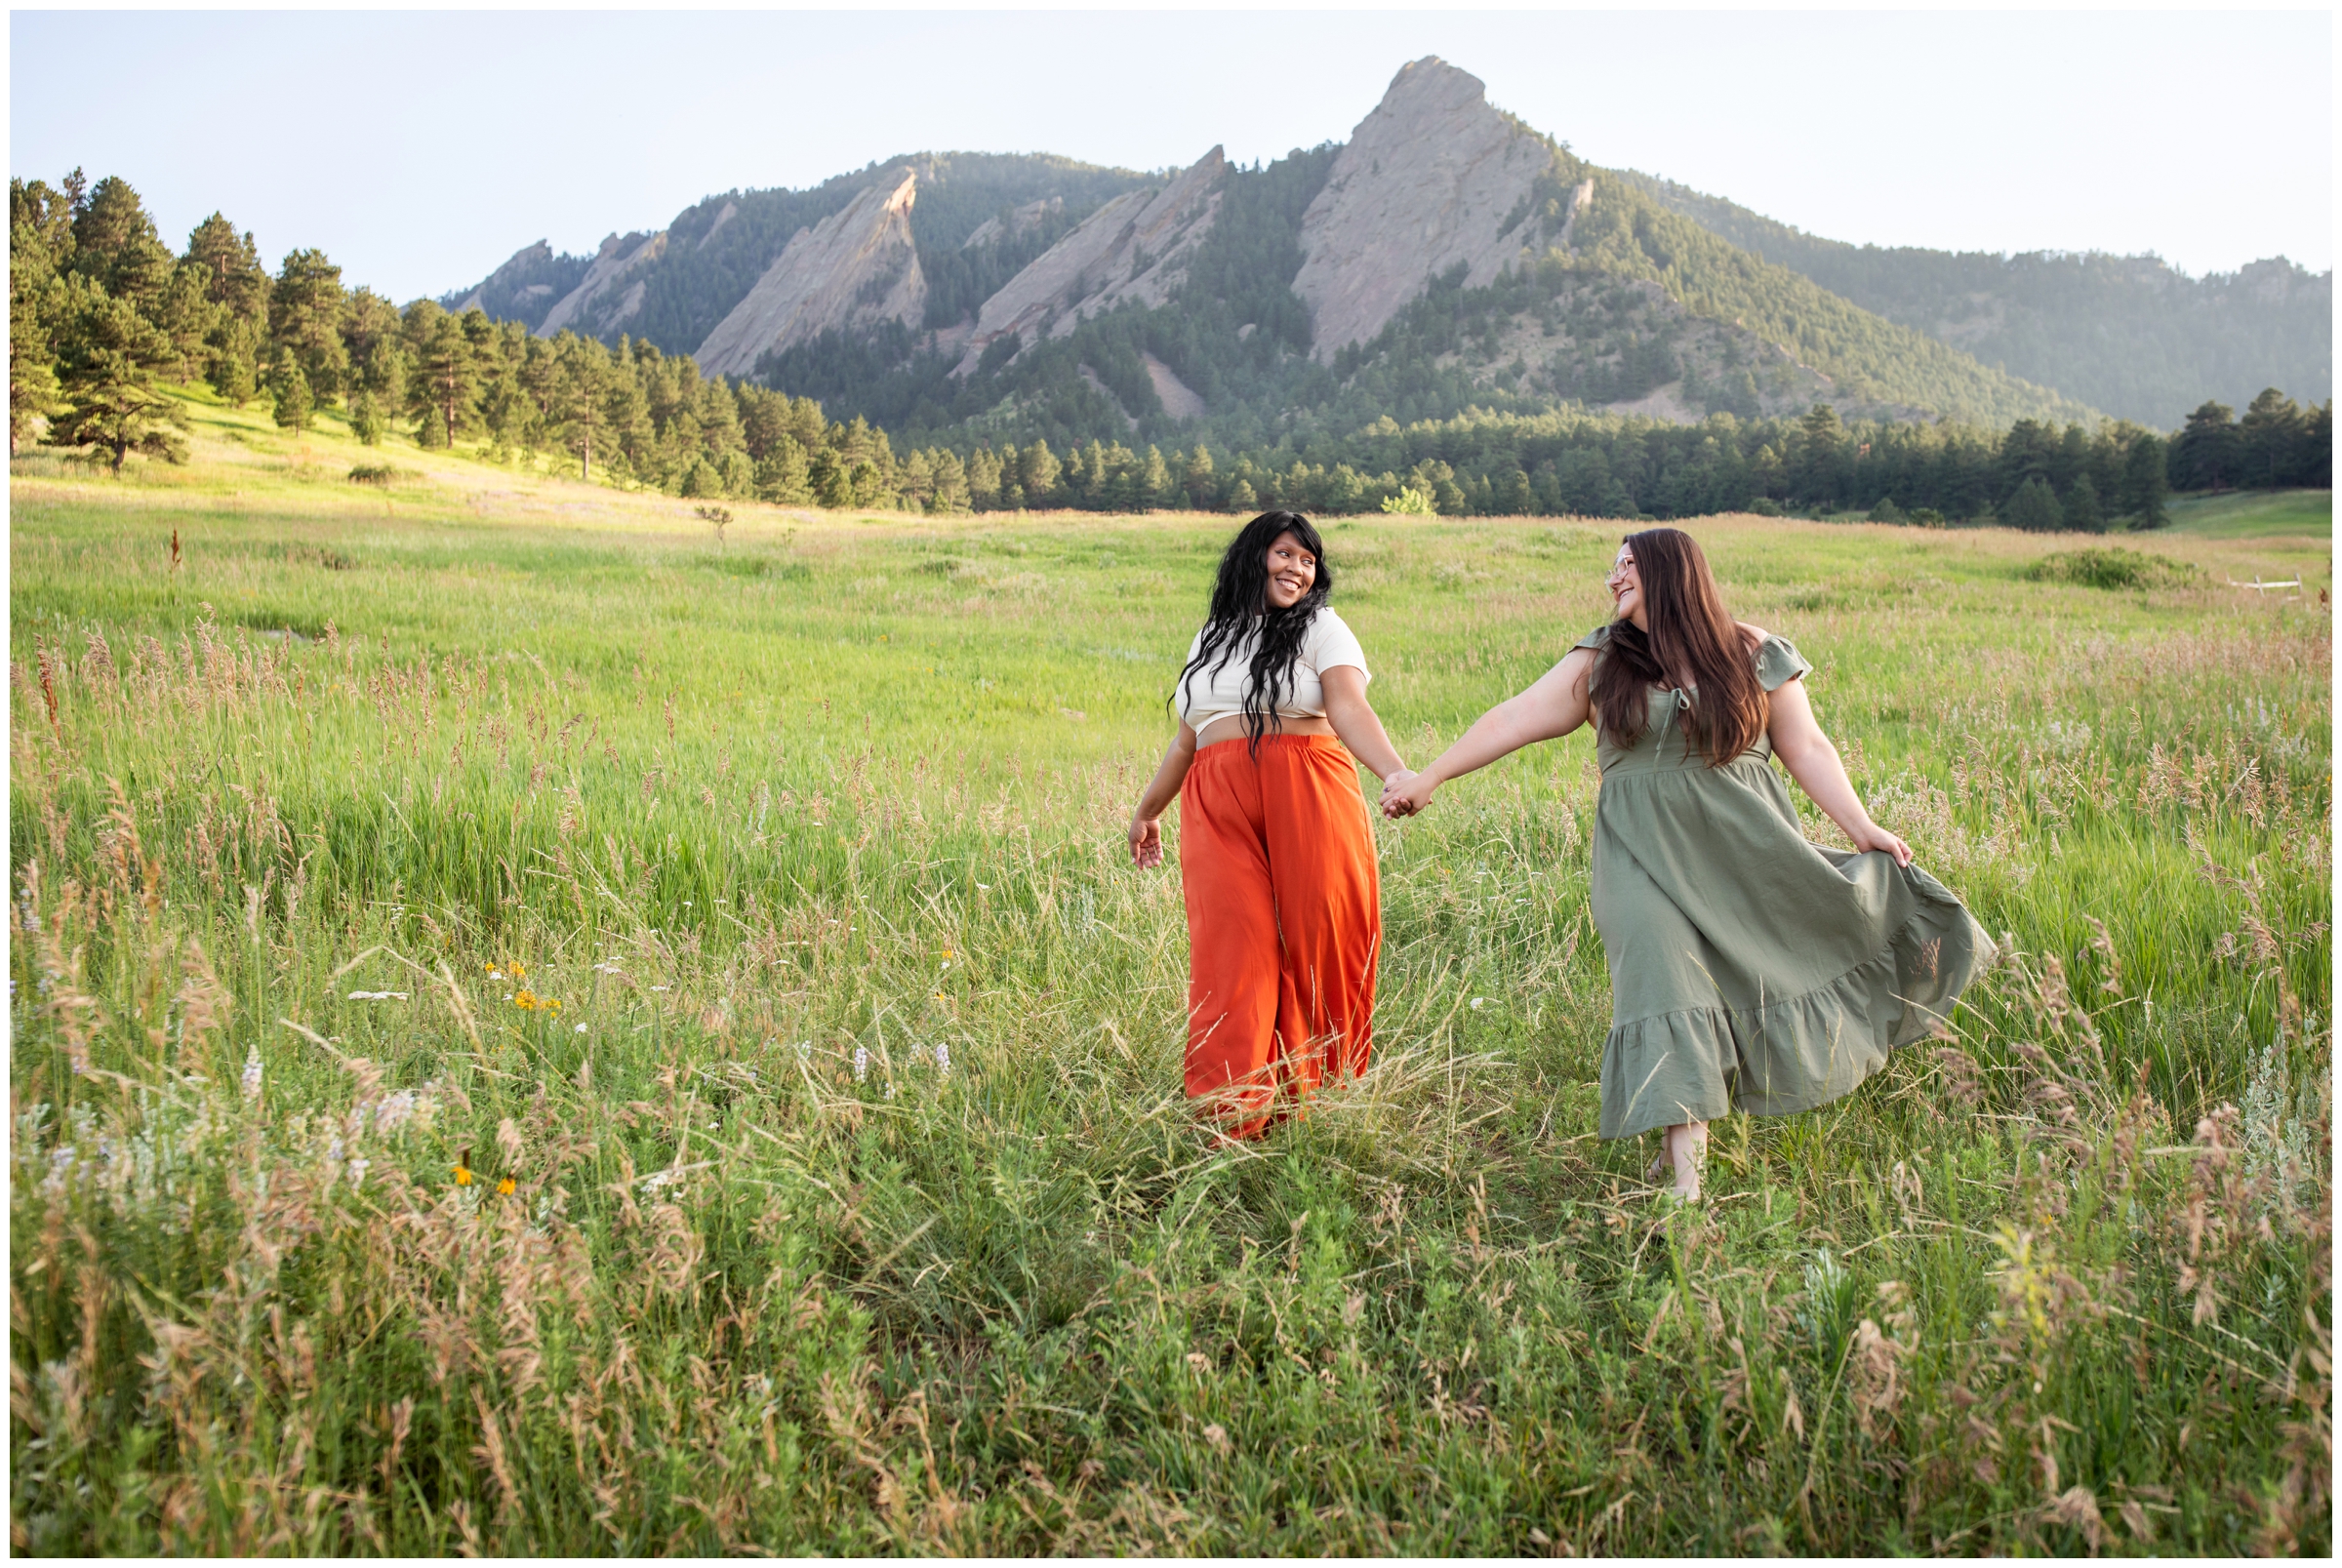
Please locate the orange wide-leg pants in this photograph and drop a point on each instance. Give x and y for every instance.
(1284, 925)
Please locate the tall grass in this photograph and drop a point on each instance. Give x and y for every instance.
(847, 1200)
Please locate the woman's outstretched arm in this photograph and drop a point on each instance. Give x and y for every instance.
(1354, 719)
(1147, 823)
(1806, 752)
(1548, 710)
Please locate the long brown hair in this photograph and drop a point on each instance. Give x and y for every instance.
(1692, 639)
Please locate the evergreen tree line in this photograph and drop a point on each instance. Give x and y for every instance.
(103, 315)
(2037, 475)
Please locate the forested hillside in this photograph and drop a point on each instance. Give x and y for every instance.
(2127, 334)
(1599, 290)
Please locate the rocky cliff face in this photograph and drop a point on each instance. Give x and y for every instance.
(851, 271)
(991, 231)
(513, 277)
(1135, 247)
(1432, 178)
(609, 293)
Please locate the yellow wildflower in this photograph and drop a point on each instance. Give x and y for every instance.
(462, 1176)
(503, 1185)
(515, 966)
(526, 1001)
(552, 1004)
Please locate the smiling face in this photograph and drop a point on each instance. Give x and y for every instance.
(1626, 589)
(1292, 572)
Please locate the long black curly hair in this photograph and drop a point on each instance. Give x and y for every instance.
(1240, 608)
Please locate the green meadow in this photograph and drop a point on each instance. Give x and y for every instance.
(2260, 514)
(543, 1025)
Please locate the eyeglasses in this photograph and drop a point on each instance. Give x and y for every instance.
(1618, 570)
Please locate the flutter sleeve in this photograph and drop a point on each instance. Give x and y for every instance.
(1597, 638)
(1778, 661)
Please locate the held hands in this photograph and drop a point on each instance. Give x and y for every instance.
(1871, 836)
(1406, 793)
(1145, 842)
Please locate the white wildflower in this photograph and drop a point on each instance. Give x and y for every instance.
(252, 1074)
(861, 1063)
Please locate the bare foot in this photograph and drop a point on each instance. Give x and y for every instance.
(1686, 1148)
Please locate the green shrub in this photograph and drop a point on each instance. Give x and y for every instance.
(2113, 567)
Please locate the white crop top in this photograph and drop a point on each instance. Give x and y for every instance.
(1218, 690)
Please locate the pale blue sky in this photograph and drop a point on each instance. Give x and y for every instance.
(420, 149)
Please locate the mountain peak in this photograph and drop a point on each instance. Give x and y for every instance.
(1435, 84)
(1429, 178)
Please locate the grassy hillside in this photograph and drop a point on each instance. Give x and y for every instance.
(847, 1201)
(2250, 514)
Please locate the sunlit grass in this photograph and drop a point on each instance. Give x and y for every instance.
(853, 1204)
(2257, 514)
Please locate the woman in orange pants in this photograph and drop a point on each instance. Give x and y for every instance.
(1285, 914)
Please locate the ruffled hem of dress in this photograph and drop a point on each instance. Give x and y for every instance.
(1795, 1054)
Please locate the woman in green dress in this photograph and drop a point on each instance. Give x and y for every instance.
(1749, 967)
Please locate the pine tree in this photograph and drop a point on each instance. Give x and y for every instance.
(107, 396)
(115, 244)
(1037, 469)
(831, 478)
(1202, 488)
(229, 264)
(235, 361)
(2144, 484)
(289, 385)
(917, 478)
(580, 397)
(984, 478)
(1154, 481)
(783, 476)
(1820, 445)
(950, 482)
(444, 379)
(32, 385)
(189, 319)
(2081, 512)
(2206, 455)
(702, 480)
(2033, 508)
(40, 245)
(305, 309)
(366, 421)
(2266, 438)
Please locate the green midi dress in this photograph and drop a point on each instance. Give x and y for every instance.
(1749, 967)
